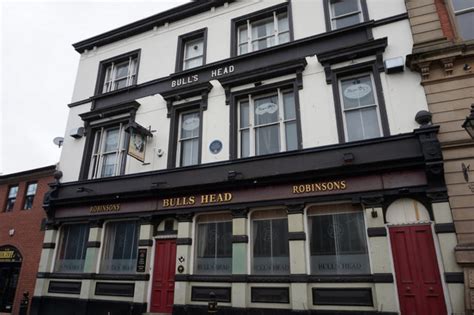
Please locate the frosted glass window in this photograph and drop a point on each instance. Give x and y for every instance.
(72, 248)
(121, 247)
(214, 248)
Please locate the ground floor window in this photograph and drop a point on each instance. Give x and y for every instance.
(270, 243)
(214, 244)
(72, 248)
(121, 246)
(338, 243)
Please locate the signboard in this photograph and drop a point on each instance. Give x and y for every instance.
(141, 259)
(136, 146)
(9, 254)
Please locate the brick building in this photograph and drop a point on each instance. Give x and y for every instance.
(443, 53)
(21, 235)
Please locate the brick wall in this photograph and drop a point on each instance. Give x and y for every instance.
(28, 237)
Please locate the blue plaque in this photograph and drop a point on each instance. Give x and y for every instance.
(215, 146)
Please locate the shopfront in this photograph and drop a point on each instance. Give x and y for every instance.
(10, 267)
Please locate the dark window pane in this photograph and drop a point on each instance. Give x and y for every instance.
(347, 20)
(462, 4)
(340, 7)
(214, 248)
(466, 25)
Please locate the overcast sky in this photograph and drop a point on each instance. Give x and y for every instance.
(38, 67)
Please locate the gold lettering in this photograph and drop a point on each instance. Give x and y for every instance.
(330, 186)
(322, 186)
(220, 198)
(337, 185)
(204, 199)
(213, 198)
(343, 184)
(192, 200)
(227, 197)
(295, 189)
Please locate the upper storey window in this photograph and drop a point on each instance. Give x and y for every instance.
(342, 13)
(11, 198)
(191, 50)
(118, 72)
(464, 11)
(262, 29)
(30, 195)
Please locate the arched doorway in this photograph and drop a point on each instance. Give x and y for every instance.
(10, 265)
(420, 290)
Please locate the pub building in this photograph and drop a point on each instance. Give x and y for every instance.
(274, 157)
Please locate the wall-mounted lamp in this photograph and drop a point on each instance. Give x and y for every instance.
(469, 123)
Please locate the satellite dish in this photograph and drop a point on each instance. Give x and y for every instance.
(58, 141)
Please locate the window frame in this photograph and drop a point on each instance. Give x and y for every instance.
(266, 217)
(454, 15)
(60, 243)
(185, 38)
(235, 97)
(309, 231)
(104, 64)
(25, 199)
(364, 14)
(355, 70)
(256, 16)
(174, 150)
(105, 246)
(212, 218)
(8, 199)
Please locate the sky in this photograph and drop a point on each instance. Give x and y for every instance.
(38, 67)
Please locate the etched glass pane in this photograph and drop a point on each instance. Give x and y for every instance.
(267, 140)
(121, 247)
(266, 110)
(214, 249)
(270, 247)
(190, 125)
(357, 92)
(72, 251)
(338, 244)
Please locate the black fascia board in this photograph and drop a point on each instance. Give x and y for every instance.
(375, 155)
(263, 60)
(370, 48)
(175, 14)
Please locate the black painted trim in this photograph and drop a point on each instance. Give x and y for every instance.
(64, 287)
(382, 278)
(444, 228)
(114, 289)
(182, 39)
(240, 239)
(49, 245)
(282, 294)
(185, 217)
(145, 243)
(255, 16)
(391, 19)
(184, 241)
(222, 294)
(96, 223)
(296, 236)
(93, 244)
(240, 213)
(377, 232)
(95, 276)
(454, 277)
(295, 208)
(105, 63)
(145, 25)
(342, 296)
(361, 68)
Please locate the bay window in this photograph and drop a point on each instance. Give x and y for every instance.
(72, 248)
(338, 243)
(267, 123)
(109, 153)
(121, 247)
(214, 245)
(360, 107)
(270, 245)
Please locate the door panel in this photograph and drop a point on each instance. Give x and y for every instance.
(9, 273)
(163, 276)
(418, 279)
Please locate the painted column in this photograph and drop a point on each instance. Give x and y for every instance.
(145, 245)
(183, 257)
(380, 256)
(297, 239)
(92, 256)
(446, 235)
(240, 246)
(46, 260)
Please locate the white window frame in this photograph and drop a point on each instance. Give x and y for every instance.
(9, 198)
(282, 121)
(276, 32)
(333, 18)
(98, 154)
(251, 235)
(60, 242)
(186, 47)
(28, 195)
(180, 141)
(307, 223)
(215, 218)
(376, 105)
(110, 77)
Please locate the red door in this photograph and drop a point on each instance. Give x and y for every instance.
(419, 285)
(162, 293)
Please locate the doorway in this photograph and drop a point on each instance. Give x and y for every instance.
(162, 294)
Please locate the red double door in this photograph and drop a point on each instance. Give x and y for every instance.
(418, 279)
(162, 294)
